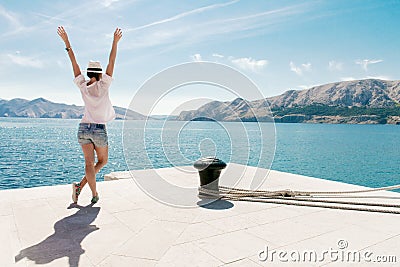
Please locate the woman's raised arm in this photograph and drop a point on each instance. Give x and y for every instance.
(63, 34)
(113, 53)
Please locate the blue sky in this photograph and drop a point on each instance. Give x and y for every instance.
(280, 45)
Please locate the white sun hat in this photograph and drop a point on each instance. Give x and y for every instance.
(94, 66)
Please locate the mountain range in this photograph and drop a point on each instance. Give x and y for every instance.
(42, 108)
(360, 93)
(358, 101)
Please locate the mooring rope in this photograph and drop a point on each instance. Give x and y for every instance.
(304, 198)
(310, 193)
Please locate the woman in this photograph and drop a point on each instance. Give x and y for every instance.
(92, 134)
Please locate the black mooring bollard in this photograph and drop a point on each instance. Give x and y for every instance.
(209, 171)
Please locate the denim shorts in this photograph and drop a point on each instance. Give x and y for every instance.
(92, 133)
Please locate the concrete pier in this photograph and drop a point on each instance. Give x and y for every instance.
(40, 226)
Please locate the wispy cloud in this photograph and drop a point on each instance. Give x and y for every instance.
(299, 70)
(49, 18)
(108, 3)
(247, 63)
(244, 25)
(196, 57)
(365, 62)
(377, 77)
(11, 18)
(285, 10)
(345, 79)
(217, 55)
(79, 14)
(335, 65)
(187, 32)
(306, 66)
(182, 15)
(16, 25)
(244, 63)
(25, 61)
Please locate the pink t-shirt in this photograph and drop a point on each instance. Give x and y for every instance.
(98, 107)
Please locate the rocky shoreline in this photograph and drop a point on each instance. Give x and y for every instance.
(362, 119)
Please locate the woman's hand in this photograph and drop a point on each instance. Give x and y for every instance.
(117, 35)
(63, 34)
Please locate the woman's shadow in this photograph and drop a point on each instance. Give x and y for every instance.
(66, 239)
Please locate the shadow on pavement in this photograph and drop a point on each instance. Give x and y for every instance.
(66, 239)
(218, 204)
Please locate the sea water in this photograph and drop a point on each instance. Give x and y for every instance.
(36, 152)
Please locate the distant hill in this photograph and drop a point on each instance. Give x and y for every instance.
(236, 110)
(164, 117)
(359, 93)
(358, 101)
(42, 108)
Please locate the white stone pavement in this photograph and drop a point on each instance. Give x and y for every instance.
(39, 226)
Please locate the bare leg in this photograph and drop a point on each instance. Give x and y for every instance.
(90, 174)
(102, 159)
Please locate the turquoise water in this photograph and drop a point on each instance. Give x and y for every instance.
(37, 152)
